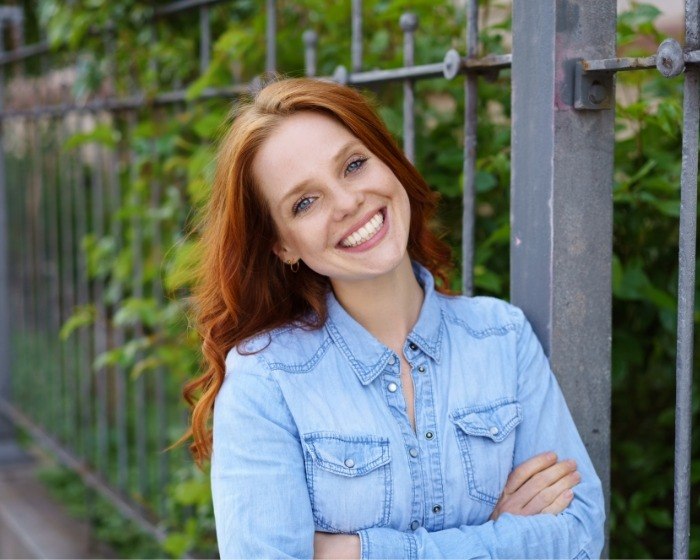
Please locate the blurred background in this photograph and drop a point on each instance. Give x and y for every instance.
(111, 113)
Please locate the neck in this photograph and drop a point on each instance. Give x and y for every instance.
(388, 306)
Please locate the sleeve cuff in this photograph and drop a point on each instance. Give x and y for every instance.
(387, 543)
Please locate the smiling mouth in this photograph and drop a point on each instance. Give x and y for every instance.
(366, 232)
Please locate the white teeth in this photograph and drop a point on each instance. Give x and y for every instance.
(365, 233)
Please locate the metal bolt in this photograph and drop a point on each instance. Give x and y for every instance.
(670, 60)
(310, 38)
(340, 75)
(597, 93)
(451, 64)
(408, 21)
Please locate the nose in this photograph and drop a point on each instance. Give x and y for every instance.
(346, 201)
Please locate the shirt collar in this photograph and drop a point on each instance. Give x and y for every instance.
(367, 356)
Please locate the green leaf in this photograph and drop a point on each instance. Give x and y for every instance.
(81, 317)
(102, 134)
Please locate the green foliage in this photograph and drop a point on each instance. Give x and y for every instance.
(121, 536)
(171, 153)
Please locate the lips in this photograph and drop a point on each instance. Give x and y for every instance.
(365, 232)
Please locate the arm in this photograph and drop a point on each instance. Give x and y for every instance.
(547, 425)
(261, 502)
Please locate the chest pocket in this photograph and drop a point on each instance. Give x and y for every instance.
(349, 480)
(486, 439)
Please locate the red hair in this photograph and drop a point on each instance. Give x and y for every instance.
(243, 286)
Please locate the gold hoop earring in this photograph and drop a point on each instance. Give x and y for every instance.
(293, 266)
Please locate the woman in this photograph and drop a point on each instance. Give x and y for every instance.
(360, 411)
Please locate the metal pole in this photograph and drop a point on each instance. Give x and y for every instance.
(356, 37)
(469, 165)
(9, 451)
(561, 205)
(310, 44)
(409, 24)
(686, 290)
(271, 37)
(117, 334)
(204, 38)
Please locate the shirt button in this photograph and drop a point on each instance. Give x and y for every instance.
(413, 346)
(392, 387)
(493, 430)
(421, 369)
(437, 508)
(428, 435)
(349, 463)
(392, 361)
(414, 525)
(413, 452)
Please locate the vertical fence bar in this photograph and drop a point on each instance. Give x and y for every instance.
(116, 333)
(8, 447)
(686, 289)
(561, 205)
(68, 291)
(271, 37)
(63, 423)
(204, 38)
(310, 44)
(51, 287)
(29, 185)
(139, 387)
(356, 36)
(409, 24)
(161, 417)
(99, 327)
(84, 369)
(469, 163)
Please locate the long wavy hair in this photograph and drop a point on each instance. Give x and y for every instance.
(243, 287)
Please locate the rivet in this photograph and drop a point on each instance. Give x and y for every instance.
(597, 93)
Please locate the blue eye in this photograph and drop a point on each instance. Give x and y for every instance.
(355, 165)
(303, 204)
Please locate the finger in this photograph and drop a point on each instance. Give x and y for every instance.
(549, 495)
(544, 479)
(561, 503)
(523, 472)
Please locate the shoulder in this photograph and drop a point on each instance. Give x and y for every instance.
(292, 348)
(481, 316)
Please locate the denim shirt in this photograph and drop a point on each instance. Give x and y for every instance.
(311, 434)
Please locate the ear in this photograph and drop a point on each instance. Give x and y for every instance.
(281, 251)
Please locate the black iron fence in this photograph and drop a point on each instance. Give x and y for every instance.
(56, 206)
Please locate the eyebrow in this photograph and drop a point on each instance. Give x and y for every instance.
(302, 185)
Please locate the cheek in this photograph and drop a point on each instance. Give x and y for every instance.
(307, 239)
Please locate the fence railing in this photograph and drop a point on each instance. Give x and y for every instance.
(58, 205)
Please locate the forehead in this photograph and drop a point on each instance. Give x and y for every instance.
(301, 146)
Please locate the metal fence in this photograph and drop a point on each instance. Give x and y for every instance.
(561, 216)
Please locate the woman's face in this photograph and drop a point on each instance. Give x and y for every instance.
(337, 206)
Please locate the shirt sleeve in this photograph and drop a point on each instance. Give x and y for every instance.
(547, 425)
(261, 501)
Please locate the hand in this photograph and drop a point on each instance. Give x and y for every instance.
(539, 485)
(331, 545)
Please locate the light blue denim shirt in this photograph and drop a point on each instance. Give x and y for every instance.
(311, 434)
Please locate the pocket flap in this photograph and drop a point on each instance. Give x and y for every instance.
(347, 455)
(494, 421)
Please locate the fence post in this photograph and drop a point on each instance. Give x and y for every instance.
(9, 451)
(561, 204)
